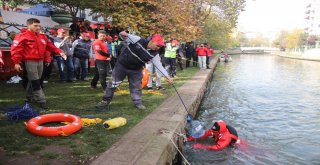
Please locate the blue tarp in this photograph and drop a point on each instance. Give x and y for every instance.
(40, 10)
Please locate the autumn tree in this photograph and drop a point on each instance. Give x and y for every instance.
(211, 20)
(311, 40)
(218, 18)
(169, 17)
(296, 38)
(281, 40)
(240, 39)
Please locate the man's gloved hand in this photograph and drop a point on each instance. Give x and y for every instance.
(198, 146)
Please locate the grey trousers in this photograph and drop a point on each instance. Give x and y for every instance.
(150, 67)
(34, 71)
(118, 74)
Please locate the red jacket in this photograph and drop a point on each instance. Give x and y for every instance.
(201, 51)
(210, 52)
(100, 45)
(30, 46)
(222, 138)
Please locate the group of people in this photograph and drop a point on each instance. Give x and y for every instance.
(79, 51)
(112, 56)
(200, 55)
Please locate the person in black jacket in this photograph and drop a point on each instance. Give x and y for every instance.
(81, 50)
(190, 51)
(75, 28)
(130, 63)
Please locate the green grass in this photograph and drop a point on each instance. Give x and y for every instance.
(79, 99)
(49, 155)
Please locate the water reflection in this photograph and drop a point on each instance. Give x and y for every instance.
(273, 103)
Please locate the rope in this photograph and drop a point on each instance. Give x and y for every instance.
(174, 144)
(24, 112)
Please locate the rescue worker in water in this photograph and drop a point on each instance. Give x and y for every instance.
(222, 134)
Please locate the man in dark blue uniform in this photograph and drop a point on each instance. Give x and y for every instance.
(130, 63)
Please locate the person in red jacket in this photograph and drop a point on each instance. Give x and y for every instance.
(209, 53)
(202, 53)
(102, 61)
(222, 134)
(28, 52)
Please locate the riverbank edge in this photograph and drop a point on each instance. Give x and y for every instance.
(146, 143)
(286, 55)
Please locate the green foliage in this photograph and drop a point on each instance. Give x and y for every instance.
(11, 3)
(218, 33)
(220, 20)
(239, 39)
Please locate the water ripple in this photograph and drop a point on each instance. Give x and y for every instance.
(274, 105)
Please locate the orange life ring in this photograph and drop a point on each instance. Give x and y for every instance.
(145, 78)
(34, 124)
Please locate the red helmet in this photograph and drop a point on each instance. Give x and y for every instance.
(175, 42)
(53, 31)
(158, 39)
(109, 38)
(61, 30)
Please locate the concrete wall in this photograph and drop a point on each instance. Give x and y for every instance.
(313, 55)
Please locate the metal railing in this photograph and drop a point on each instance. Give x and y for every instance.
(8, 27)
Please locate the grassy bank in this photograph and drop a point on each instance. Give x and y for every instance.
(79, 99)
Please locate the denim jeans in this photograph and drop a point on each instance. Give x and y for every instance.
(81, 66)
(70, 67)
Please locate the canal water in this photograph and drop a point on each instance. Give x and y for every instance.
(274, 104)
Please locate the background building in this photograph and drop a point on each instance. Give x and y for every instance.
(312, 25)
